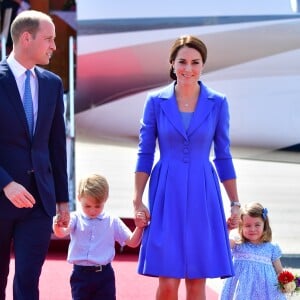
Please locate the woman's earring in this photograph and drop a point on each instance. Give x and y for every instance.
(174, 71)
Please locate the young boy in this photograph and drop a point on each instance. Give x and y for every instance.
(93, 233)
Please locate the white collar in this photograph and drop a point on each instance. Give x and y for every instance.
(17, 69)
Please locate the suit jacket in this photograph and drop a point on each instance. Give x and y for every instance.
(45, 153)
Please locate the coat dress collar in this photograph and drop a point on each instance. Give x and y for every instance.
(203, 108)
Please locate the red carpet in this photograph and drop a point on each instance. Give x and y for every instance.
(54, 282)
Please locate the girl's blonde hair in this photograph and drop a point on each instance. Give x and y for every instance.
(256, 210)
(95, 186)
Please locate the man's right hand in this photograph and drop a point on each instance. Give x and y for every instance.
(18, 195)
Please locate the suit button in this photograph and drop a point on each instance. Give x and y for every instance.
(186, 160)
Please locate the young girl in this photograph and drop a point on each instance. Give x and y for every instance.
(256, 259)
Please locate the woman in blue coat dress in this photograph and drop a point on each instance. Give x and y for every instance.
(187, 235)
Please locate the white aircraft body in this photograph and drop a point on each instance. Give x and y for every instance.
(253, 58)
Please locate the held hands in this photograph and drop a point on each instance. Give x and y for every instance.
(141, 220)
(62, 217)
(142, 208)
(60, 228)
(234, 220)
(229, 224)
(61, 220)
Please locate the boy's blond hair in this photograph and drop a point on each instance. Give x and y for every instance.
(95, 186)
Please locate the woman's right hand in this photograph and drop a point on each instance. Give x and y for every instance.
(141, 208)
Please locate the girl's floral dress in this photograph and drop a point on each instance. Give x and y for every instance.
(255, 277)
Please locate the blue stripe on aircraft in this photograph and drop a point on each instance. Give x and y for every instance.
(89, 27)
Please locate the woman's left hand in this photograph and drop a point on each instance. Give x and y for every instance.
(235, 217)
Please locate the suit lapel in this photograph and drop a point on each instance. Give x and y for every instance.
(41, 88)
(9, 84)
(43, 92)
(203, 109)
(170, 109)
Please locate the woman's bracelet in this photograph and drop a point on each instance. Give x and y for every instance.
(235, 203)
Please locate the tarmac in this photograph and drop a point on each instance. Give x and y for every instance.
(275, 184)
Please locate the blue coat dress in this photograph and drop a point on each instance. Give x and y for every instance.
(187, 235)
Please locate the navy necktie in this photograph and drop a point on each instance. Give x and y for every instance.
(27, 103)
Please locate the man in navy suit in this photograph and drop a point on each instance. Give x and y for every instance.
(33, 176)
